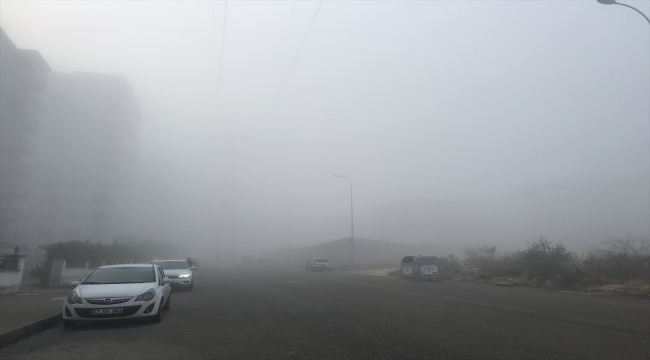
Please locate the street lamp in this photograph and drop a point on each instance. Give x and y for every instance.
(613, 2)
(351, 218)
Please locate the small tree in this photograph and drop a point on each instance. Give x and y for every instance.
(544, 260)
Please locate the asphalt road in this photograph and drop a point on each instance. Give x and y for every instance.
(282, 313)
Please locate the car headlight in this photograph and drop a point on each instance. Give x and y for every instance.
(73, 298)
(147, 295)
(184, 276)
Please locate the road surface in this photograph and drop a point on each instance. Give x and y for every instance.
(288, 313)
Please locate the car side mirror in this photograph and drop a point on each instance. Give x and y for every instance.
(193, 267)
(166, 281)
(75, 283)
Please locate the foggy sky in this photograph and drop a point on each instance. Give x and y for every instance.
(527, 119)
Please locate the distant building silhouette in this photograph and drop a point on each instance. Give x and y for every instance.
(21, 84)
(85, 156)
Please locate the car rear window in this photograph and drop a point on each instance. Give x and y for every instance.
(172, 264)
(121, 275)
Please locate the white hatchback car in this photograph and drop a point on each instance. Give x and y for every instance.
(118, 292)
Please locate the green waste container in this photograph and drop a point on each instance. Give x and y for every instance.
(421, 268)
(426, 268)
(406, 267)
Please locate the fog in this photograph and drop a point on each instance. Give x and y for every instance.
(460, 123)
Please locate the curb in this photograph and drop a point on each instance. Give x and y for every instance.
(27, 330)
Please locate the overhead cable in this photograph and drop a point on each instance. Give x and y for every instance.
(293, 64)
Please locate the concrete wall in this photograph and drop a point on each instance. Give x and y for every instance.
(10, 280)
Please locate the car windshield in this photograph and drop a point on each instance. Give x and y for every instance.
(321, 260)
(121, 275)
(172, 264)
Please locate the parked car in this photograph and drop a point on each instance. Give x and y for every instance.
(118, 291)
(318, 264)
(179, 272)
(192, 262)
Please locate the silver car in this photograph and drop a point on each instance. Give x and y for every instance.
(318, 264)
(118, 292)
(179, 272)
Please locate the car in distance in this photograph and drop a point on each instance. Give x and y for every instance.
(179, 272)
(118, 292)
(318, 264)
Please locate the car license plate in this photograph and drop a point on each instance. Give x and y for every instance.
(106, 311)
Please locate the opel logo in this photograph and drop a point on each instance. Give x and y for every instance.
(107, 301)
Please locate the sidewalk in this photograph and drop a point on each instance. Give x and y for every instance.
(28, 311)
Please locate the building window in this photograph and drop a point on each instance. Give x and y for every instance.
(9, 263)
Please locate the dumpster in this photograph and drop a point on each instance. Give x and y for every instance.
(406, 267)
(426, 268)
(421, 268)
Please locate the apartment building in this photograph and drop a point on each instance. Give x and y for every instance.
(86, 153)
(22, 82)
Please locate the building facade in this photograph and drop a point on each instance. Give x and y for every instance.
(86, 153)
(22, 82)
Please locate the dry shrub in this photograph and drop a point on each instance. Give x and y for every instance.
(622, 260)
(485, 263)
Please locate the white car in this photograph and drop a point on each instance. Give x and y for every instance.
(118, 292)
(318, 264)
(179, 272)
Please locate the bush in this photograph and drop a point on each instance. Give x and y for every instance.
(486, 263)
(451, 265)
(42, 273)
(621, 261)
(77, 253)
(543, 260)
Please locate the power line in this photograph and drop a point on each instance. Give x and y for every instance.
(223, 41)
(293, 64)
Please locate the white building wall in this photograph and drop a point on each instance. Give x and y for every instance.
(10, 280)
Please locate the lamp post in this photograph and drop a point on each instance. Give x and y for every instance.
(613, 2)
(351, 219)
